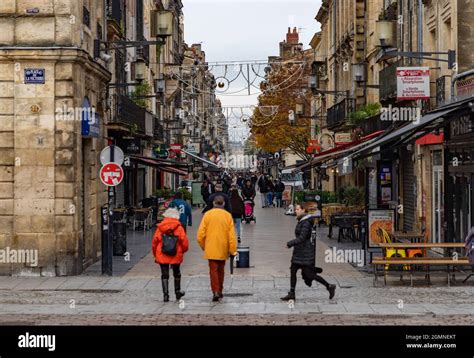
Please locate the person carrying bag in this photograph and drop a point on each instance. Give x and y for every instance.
(169, 245)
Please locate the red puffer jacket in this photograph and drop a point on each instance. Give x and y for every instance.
(181, 247)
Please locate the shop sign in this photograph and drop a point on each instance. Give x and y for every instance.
(342, 138)
(160, 151)
(379, 219)
(133, 146)
(175, 148)
(460, 126)
(413, 83)
(34, 76)
(193, 148)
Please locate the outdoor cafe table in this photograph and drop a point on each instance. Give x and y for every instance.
(356, 220)
(425, 260)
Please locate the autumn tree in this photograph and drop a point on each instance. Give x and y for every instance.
(286, 85)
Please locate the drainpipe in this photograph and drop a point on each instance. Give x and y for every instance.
(420, 28)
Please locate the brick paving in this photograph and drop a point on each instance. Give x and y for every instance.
(133, 295)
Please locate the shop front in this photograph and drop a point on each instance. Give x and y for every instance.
(459, 176)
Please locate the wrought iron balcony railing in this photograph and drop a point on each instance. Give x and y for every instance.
(338, 113)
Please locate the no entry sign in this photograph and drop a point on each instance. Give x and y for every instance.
(111, 174)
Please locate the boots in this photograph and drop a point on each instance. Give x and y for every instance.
(289, 296)
(164, 285)
(177, 288)
(332, 291)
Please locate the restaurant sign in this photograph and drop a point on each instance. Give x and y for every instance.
(461, 125)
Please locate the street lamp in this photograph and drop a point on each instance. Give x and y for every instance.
(161, 23)
(384, 32)
(358, 71)
(140, 68)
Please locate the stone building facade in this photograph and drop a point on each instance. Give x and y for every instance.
(50, 194)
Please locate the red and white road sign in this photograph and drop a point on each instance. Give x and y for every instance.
(111, 174)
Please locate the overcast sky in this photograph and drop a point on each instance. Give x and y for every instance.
(244, 30)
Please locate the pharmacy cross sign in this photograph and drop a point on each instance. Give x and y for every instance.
(111, 174)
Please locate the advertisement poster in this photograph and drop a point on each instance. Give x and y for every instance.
(379, 219)
(413, 83)
(287, 193)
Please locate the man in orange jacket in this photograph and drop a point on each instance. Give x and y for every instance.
(216, 236)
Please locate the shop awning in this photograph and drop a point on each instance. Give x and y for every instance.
(339, 151)
(412, 130)
(197, 157)
(156, 163)
(430, 139)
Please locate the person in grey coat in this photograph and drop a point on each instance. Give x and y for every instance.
(304, 255)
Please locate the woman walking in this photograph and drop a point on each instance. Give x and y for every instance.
(237, 204)
(169, 230)
(304, 255)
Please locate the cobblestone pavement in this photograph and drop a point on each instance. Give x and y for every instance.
(235, 320)
(134, 296)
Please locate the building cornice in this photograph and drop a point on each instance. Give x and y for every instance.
(55, 54)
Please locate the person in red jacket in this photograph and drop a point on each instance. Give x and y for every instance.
(170, 224)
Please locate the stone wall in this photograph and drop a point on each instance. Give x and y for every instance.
(42, 160)
(465, 35)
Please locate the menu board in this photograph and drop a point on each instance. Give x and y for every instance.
(378, 218)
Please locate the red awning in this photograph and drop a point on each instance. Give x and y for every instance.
(430, 139)
(159, 165)
(341, 149)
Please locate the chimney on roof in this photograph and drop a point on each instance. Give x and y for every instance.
(292, 37)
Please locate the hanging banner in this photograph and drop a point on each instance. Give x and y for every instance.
(413, 83)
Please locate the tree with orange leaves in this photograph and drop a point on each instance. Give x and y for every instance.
(286, 85)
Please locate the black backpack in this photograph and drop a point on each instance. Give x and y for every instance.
(169, 243)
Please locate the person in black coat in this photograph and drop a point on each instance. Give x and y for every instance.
(304, 255)
(263, 187)
(237, 209)
(219, 192)
(207, 189)
(248, 191)
(279, 189)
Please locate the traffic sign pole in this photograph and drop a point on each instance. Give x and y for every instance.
(107, 254)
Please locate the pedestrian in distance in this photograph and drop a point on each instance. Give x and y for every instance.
(271, 190)
(263, 188)
(279, 189)
(184, 209)
(237, 204)
(216, 237)
(207, 189)
(248, 191)
(169, 245)
(304, 255)
(219, 192)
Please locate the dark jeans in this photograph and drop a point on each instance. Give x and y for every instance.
(308, 273)
(165, 271)
(279, 196)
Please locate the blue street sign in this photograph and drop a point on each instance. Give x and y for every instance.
(90, 120)
(34, 75)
